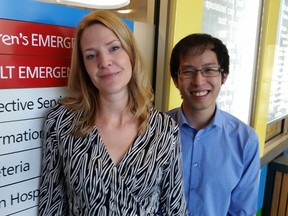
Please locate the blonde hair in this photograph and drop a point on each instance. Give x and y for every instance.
(85, 99)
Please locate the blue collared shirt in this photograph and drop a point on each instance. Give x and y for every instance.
(221, 166)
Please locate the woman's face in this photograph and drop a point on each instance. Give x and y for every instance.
(107, 63)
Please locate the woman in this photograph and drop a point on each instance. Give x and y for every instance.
(106, 150)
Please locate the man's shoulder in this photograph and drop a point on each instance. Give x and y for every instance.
(173, 113)
(236, 123)
(228, 117)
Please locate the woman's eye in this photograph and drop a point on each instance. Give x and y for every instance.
(90, 56)
(114, 48)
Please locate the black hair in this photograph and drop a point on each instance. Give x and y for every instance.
(200, 42)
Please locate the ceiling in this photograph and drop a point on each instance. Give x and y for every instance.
(138, 13)
(139, 10)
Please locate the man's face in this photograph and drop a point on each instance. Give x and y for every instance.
(199, 93)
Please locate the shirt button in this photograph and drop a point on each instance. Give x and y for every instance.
(195, 164)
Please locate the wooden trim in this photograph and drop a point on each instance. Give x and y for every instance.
(283, 196)
(276, 193)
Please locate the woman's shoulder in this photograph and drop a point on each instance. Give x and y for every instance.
(60, 112)
(56, 110)
(59, 118)
(162, 118)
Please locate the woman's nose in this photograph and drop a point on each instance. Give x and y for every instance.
(104, 60)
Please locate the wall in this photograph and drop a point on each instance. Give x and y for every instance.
(36, 41)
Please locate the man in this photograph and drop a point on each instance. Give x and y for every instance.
(220, 153)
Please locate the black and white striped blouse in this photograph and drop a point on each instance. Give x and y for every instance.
(79, 177)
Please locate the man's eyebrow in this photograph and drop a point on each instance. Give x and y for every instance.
(214, 64)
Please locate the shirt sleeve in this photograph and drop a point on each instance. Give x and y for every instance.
(173, 199)
(245, 194)
(52, 199)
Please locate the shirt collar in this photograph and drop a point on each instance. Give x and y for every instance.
(217, 119)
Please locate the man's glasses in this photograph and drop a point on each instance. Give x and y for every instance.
(186, 73)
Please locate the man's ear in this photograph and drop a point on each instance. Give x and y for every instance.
(176, 82)
(224, 77)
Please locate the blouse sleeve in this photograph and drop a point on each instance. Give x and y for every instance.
(173, 198)
(52, 198)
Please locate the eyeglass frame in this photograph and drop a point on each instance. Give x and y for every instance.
(202, 71)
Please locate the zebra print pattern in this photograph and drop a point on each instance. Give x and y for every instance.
(79, 178)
